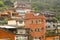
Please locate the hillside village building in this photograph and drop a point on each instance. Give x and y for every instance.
(22, 7)
(36, 23)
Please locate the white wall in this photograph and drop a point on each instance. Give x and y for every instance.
(12, 22)
(21, 31)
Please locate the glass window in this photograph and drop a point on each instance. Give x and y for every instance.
(37, 30)
(38, 21)
(31, 22)
(35, 21)
(31, 30)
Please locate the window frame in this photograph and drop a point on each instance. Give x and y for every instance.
(37, 29)
(38, 21)
(31, 22)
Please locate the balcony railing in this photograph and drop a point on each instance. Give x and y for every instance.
(22, 31)
(50, 28)
(51, 33)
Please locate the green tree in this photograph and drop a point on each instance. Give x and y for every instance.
(8, 3)
(1, 4)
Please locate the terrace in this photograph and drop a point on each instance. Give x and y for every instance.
(51, 33)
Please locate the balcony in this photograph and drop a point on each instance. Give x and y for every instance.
(51, 33)
(22, 31)
(19, 23)
(19, 37)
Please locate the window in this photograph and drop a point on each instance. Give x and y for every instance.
(31, 30)
(21, 37)
(35, 21)
(31, 22)
(38, 21)
(37, 30)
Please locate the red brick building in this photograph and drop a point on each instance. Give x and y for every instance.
(36, 23)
